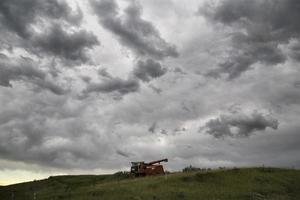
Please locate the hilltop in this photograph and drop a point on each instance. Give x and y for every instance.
(229, 184)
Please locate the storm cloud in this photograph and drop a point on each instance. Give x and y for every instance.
(23, 69)
(143, 71)
(258, 31)
(132, 31)
(239, 124)
(149, 69)
(114, 85)
(46, 145)
(19, 16)
(69, 46)
(152, 128)
(27, 18)
(88, 87)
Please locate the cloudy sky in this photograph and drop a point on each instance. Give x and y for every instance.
(88, 86)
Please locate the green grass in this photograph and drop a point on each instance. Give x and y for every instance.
(243, 183)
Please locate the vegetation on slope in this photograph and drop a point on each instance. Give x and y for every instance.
(231, 184)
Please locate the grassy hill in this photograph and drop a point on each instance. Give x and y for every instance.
(231, 184)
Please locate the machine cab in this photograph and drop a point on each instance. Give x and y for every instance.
(135, 167)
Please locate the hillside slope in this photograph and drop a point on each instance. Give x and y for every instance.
(247, 183)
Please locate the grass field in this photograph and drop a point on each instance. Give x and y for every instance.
(230, 184)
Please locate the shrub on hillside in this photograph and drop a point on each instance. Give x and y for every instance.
(122, 175)
(195, 169)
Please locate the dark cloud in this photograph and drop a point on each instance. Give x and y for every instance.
(179, 71)
(53, 129)
(164, 132)
(69, 46)
(179, 129)
(21, 20)
(258, 29)
(122, 153)
(155, 89)
(149, 69)
(30, 133)
(18, 16)
(239, 124)
(24, 70)
(56, 9)
(185, 107)
(294, 48)
(297, 84)
(114, 85)
(133, 31)
(104, 73)
(86, 79)
(49, 85)
(46, 145)
(152, 128)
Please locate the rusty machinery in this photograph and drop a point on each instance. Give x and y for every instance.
(147, 169)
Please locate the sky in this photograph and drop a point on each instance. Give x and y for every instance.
(86, 87)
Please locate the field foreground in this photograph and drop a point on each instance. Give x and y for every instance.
(231, 184)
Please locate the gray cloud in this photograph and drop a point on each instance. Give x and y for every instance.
(46, 145)
(155, 89)
(20, 20)
(164, 132)
(23, 70)
(185, 107)
(104, 73)
(152, 128)
(18, 16)
(133, 31)
(52, 129)
(239, 124)
(256, 34)
(179, 71)
(86, 79)
(144, 70)
(69, 46)
(294, 48)
(114, 85)
(122, 153)
(149, 69)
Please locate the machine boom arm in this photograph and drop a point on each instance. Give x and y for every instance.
(157, 161)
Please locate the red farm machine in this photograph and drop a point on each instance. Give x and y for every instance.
(148, 169)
